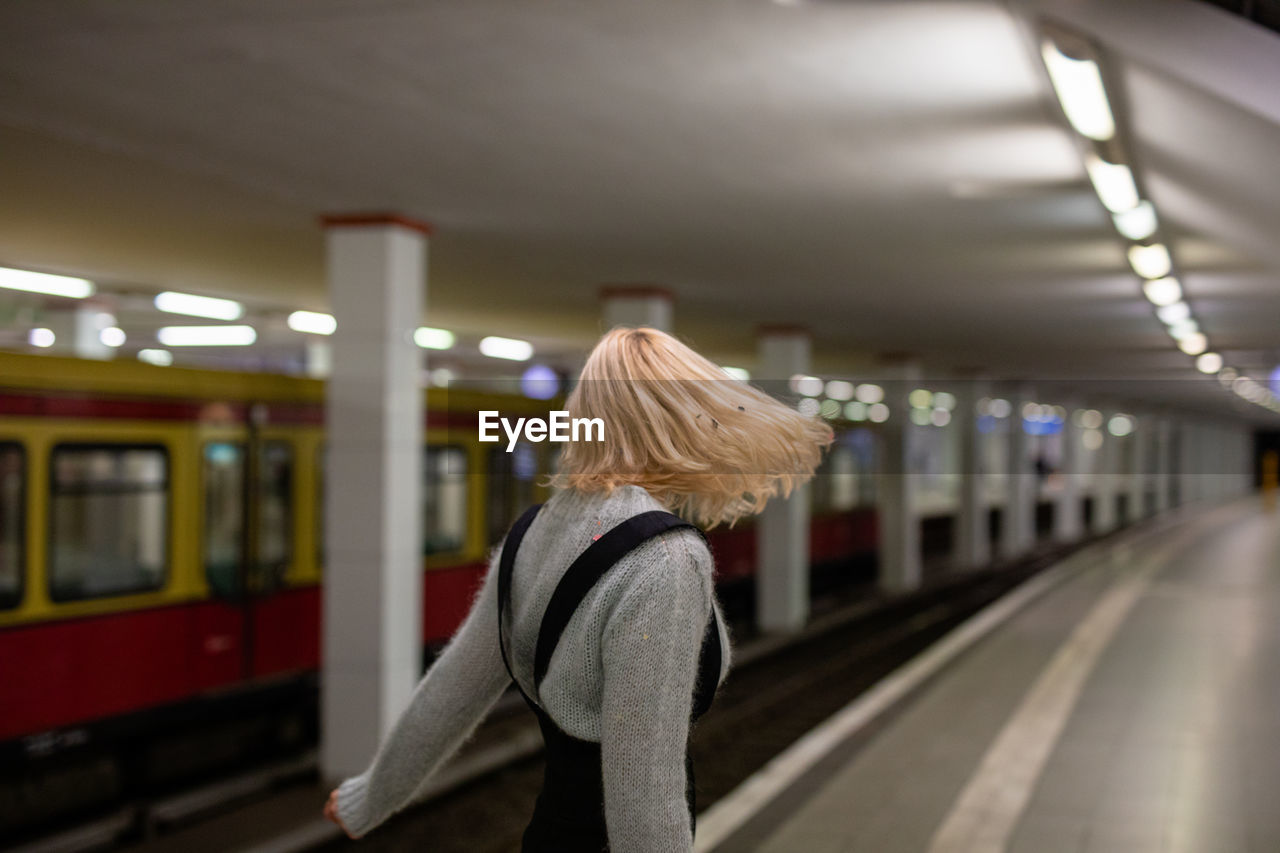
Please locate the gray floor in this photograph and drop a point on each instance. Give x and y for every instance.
(1173, 743)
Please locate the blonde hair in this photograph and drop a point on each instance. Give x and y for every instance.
(708, 447)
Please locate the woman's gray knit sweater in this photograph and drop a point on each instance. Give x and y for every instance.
(623, 673)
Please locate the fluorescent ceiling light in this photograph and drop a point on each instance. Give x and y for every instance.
(429, 338)
(1078, 83)
(739, 373)
(158, 357)
(1162, 291)
(1175, 313)
(1194, 344)
(112, 336)
(42, 338)
(810, 386)
(1113, 182)
(49, 285)
(838, 389)
(1150, 261)
(508, 348)
(207, 336)
(199, 306)
(869, 394)
(1138, 223)
(312, 322)
(1209, 362)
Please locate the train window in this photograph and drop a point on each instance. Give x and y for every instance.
(223, 514)
(108, 520)
(512, 477)
(275, 509)
(13, 495)
(444, 500)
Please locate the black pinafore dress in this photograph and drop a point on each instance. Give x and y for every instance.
(569, 815)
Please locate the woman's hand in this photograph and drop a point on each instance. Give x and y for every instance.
(331, 812)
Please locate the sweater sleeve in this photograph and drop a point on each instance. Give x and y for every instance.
(651, 646)
(445, 708)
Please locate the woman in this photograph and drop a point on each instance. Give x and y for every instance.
(601, 606)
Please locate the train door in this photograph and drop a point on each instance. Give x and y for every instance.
(247, 536)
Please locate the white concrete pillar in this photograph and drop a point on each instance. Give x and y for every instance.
(1164, 464)
(1068, 520)
(972, 529)
(782, 533)
(1188, 463)
(1017, 526)
(1106, 515)
(638, 305)
(373, 542)
(1136, 502)
(897, 510)
(78, 332)
(318, 357)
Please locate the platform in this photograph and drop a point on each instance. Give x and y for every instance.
(1123, 701)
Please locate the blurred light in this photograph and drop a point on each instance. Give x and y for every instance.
(1138, 223)
(1120, 425)
(878, 413)
(42, 338)
(1274, 380)
(429, 338)
(1113, 183)
(199, 306)
(1078, 83)
(1001, 408)
(869, 394)
(1092, 439)
(855, 411)
(509, 348)
(207, 336)
(1194, 344)
(112, 336)
(1031, 411)
(1227, 375)
(1091, 419)
(1241, 385)
(1209, 362)
(810, 386)
(1059, 414)
(158, 357)
(312, 322)
(103, 320)
(838, 389)
(983, 407)
(46, 283)
(1162, 291)
(809, 407)
(921, 417)
(829, 409)
(986, 424)
(1175, 313)
(442, 376)
(1183, 329)
(737, 373)
(941, 417)
(944, 400)
(920, 398)
(539, 382)
(1150, 261)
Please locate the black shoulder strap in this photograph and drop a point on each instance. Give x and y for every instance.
(589, 567)
(506, 564)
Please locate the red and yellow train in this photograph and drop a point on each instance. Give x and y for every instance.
(161, 560)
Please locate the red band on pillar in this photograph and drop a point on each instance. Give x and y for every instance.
(636, 291)
(358, 220)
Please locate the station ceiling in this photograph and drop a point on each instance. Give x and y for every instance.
(895, 175)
